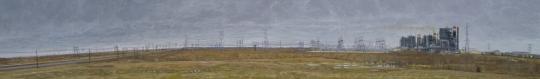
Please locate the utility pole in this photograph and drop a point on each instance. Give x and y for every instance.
(221, 38)
(467, 41)
(89, 55)
(117, 51)
(255, 46)
(76, 51)
(37, 58)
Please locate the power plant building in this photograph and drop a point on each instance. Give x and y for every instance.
(446, 40)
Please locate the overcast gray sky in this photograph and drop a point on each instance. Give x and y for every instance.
(509, 25)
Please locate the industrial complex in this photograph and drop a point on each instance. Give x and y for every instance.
(447, 40)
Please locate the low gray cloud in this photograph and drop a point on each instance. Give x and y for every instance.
(49, 24)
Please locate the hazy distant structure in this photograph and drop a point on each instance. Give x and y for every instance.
(76, 50)
(325, 46)
(446, 40)
(255, 44)
(301, 44)
(156, 47)
(240, 43)
(116, 48)
(489, 47)
(312, 44)
(429, 42)
(408, 42)
(380, 44)
(359, 44)
(449, 38)
(315, 44)
(340, 46)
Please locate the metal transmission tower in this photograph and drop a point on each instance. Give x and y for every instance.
(315, 44)
(221, 38)
(467, 41)
(340, 44)
(301, 44)
(381, 44)
(198, 43)
(312, 44)
(280, 44)
(117, 51)
(359, 44)
(76, 50)
(266, 43)
(186, 41)
(530, 48)
(240, 43)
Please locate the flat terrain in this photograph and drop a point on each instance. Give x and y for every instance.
(289, 64)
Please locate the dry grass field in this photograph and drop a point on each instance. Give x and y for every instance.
(56, 58)
(240, 63)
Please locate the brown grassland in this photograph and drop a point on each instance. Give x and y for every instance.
(55, 58)
(289, 63)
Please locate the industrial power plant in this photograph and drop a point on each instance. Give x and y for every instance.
(446, 40)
